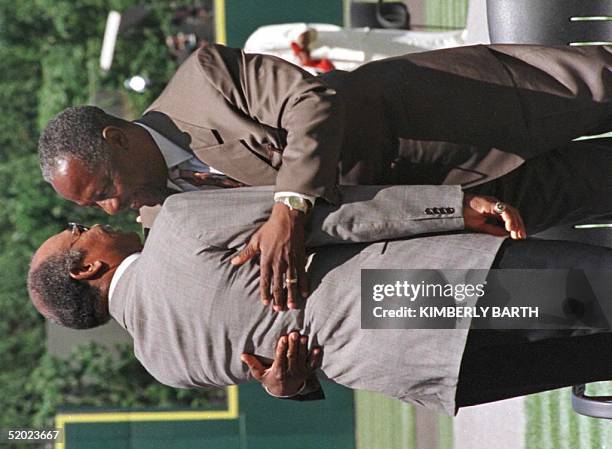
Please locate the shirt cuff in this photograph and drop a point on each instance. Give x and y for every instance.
(309, 198)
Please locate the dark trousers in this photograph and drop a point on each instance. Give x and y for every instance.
(562, 186)
(500, 364)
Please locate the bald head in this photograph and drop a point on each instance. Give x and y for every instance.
(70, 274)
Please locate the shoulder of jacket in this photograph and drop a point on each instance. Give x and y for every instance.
(217, 56)
(215, 65)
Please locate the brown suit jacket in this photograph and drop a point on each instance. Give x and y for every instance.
(455, 116)
(246, 115)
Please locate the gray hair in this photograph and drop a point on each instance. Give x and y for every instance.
(68, 302)
(76, 133)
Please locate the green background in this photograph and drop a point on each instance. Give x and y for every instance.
(264, 423)
(245, 16)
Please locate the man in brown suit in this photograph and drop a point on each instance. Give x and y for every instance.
(466, 116)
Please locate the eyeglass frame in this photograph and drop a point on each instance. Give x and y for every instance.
(73, 226)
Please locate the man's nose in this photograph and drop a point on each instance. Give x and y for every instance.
(111, 206)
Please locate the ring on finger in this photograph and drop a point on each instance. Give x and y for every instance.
(499, 208)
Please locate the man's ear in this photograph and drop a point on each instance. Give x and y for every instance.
(85, 272)
(115, 136)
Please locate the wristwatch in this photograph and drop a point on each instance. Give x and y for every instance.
(294, 202)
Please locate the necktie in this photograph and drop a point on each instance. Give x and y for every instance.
(208, 179)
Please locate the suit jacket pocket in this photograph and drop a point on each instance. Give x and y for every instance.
(238, 161)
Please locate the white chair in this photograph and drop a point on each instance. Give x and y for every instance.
(349, 48)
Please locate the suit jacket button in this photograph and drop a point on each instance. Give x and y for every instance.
(451, 210)
(436, 210)
(428, 211)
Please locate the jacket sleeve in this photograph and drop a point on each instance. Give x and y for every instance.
(283, 96)
(375, 213)
(228, 217)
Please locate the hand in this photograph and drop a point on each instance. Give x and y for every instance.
(293, 365)
(281, 244)
(479, 210)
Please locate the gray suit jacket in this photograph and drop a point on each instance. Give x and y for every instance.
(192, 314)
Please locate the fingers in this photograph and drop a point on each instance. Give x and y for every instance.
(265, 274)
(523, 233)
(300, 269)
(255, 366)
(278, 291)
(290, 368)
(478, 209)
(297, 289)
(314, 359)
(281, 247)
(510, 224)
(293, 352)
(513, 223)
(292, 280)
(244, 255)
(280, 357)
(292, 358)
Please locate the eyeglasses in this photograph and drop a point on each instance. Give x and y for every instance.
(76, 229)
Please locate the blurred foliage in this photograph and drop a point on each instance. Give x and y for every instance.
(69, 58)
(49, 51)
(93, 377)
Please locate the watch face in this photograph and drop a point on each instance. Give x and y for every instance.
(296, 202)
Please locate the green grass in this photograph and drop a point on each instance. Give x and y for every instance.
(446, 13)
(552, 424)
(383, 423)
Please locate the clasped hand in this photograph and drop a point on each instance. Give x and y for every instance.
(280, 244)
(292, 366)
(480, 215)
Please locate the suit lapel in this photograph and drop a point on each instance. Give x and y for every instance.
(161, 123)
(232, 158)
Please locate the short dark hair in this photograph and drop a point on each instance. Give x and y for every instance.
(76, 132)
(67, 301)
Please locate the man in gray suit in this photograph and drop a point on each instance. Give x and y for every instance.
(466, 116)
(191, 313)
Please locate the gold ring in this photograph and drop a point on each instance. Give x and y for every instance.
(290, 280)
(499, 208)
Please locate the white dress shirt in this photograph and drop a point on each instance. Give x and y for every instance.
(129, 260)
(179, 159)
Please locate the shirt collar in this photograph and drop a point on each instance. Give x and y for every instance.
(172, 153)
(129, 260)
